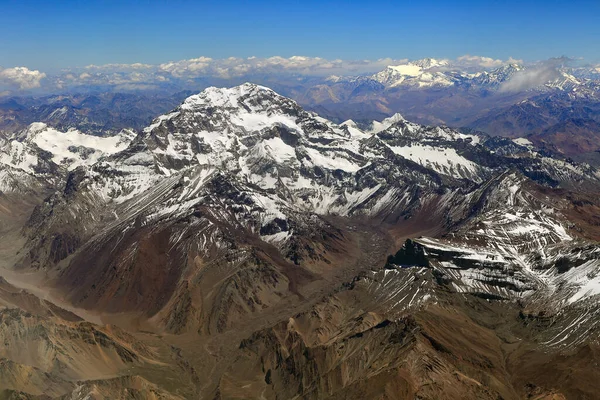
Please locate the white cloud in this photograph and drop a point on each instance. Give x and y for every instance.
(184, 72)
(530, 78)
(484, 62)
(22, 77)
(235, 67)
(111, 67)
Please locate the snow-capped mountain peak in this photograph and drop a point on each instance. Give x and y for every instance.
(262, 139)
(420, 73)
(377, 126)
(228, 97)
(494, 78)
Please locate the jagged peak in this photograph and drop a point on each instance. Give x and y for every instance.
(349, 123)
(377, 126)
(247, 107)
(394, 118)
(227, 97)
(508, 69)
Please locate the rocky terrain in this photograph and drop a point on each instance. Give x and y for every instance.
(240, 246)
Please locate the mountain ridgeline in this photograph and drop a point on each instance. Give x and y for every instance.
(554, 104)
(240, 246)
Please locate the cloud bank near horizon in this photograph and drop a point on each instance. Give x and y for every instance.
(139, 76)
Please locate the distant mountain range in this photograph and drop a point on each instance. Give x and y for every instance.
(99, 113)
(549, 102)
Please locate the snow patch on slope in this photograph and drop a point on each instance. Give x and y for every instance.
(73, 148)
(443, 160)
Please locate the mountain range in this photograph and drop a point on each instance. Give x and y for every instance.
(242, 246)
(548, 102)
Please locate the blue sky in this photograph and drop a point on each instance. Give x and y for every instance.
(49, 35)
